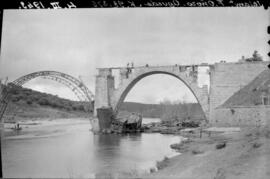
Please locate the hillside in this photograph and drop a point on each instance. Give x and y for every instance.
(252, 93)
(25, 103)
(147, 110)
(165, 111)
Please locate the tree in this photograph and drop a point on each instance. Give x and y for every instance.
(256, 56)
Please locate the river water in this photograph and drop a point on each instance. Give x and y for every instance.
(66, 148)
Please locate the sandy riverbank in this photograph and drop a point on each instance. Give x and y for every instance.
(243, 154)
(42, 127)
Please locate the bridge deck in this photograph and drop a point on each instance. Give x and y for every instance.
(198, 65)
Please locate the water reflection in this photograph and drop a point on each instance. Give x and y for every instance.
(107, 140)
(75, 152)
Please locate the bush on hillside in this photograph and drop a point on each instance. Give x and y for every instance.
(29, 102)
(43, 101)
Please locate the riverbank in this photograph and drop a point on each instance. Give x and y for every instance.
(169, 127)
(220, 154)
(43, 127)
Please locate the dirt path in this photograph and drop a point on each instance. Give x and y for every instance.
(244, 154)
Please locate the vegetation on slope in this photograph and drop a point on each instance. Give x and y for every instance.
(166, 110)
(27, 103)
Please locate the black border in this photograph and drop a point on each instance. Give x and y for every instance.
(67, 4)
(54, 4)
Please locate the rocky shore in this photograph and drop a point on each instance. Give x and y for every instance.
(169, 127)
(219, 153)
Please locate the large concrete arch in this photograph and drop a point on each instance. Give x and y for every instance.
(109, 96)
(124, 90)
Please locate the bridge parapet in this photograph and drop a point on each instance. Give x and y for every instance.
(105, 71)
(187, 74)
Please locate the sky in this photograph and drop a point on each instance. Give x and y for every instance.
(77, 41)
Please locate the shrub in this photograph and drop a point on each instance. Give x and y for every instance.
(197, 151)
(81, 107)
(221, 145)
(15, 98)
(74, 108)
(152, 170)
(29, 102)
(43, 101)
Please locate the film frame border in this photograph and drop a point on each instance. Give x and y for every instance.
(70, 4)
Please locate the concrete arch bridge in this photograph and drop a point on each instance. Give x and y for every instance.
(107, 95)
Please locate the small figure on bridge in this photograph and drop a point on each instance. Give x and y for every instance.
(129, 70)
(127, 74)
(147, 65)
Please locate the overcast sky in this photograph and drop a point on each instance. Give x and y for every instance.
(78, 41)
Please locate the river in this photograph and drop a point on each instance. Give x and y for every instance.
(67, 148)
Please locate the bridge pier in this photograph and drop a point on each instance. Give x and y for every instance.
(104, 91)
